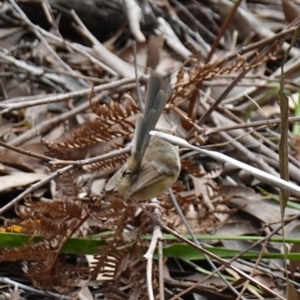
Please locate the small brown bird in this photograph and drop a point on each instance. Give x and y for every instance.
(154, 164)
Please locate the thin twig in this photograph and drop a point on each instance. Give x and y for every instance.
(26, 152)
(134, 16)
(222, 30)
(268, 122)
(34, 187)
(66, 96)
(186, 224)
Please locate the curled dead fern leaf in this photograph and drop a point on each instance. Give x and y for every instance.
(115, 111)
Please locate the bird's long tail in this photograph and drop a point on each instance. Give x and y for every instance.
(158, 92)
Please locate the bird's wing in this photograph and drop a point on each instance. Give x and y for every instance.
(112, 183)
(147, 175)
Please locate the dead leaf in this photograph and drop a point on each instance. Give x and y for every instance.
(247, 200)
(290, 10)
(19, 179)
(292, 293)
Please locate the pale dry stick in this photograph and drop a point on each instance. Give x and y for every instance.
(34, 71)
(43, 40)
(77, 48)
(247, 84)
(261, 137)
(271, 122)
(78, 75)
(261, 175)
(192, 244)
(26, 152)
(195, 37)
(172, 40)
(229, 142)
(289, 67)
(61, 171)
(234, 41)
(49, 15)
(138, 91)
(112, 60)
(32, 290)
(24, 98)
(134, 16)
(189, 230)
(161, 266)
(156, 236)
(63, 97)
(256, 25)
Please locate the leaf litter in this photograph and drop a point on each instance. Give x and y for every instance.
(68, 93)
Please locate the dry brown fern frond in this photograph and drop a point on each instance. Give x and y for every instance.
(35, 252)
(192, 168)
(188, 79)
(46, 228)
(106, 260)
(68, 183)
(61, 276)
(183, 197)
(58, 210)
(95, 131)
(115, 112)
(120, 242)
(108, 164)
(52, 219)
(109, 207)
(131, 273)
(112, 122)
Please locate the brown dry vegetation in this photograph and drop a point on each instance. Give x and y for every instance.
(68, 109)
